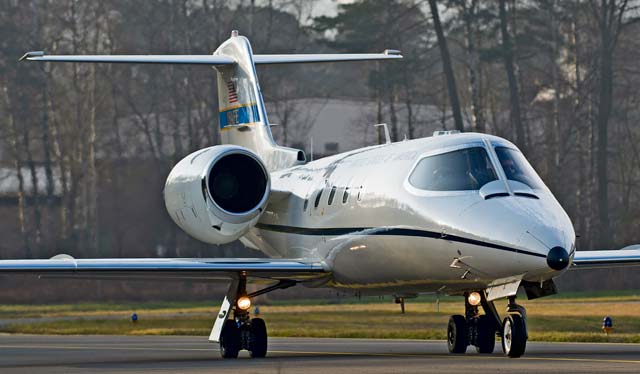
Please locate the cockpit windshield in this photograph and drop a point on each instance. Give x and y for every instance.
(461, 170)
(517, 168)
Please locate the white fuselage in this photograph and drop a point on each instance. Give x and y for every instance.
(385, 235)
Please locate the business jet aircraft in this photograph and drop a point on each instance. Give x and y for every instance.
(459, 214)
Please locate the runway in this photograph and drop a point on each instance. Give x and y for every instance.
(171, 354)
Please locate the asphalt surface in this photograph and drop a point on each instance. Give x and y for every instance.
(178, 354)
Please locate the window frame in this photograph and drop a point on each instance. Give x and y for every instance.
(495, 147)
(345, 196)
(457, 147)
(316, 203)
(457, 173)
(332, 194)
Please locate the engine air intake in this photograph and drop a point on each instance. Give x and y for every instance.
(237, 183)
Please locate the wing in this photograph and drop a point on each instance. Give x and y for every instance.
(628, 256)
(193, 269)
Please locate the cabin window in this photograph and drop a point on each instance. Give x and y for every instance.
(306, 204)
(332, 194)
(360, 193)
(317, 202)
(461, 170)
(517, 168)
(345, 195)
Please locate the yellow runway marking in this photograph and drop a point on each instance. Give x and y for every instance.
(105, 347)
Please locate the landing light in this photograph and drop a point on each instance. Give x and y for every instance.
(244, 303)
(474, 298)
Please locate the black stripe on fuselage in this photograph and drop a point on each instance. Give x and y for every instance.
(337, 231)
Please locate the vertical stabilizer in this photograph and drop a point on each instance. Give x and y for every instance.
(242, 115)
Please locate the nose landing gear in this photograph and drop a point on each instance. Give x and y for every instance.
(481, 330)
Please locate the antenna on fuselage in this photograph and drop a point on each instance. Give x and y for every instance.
(386, 132)
(445, 132)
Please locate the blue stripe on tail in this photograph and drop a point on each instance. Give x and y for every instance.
(239, 116)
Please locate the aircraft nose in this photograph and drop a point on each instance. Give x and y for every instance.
(558, 258)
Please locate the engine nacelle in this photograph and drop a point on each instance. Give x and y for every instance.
(218, 193)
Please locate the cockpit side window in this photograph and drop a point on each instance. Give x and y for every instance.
(461, 170)
(517, 168)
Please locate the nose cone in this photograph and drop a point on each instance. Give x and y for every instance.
(557, 258)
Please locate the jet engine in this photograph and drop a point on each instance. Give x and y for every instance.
(218, 193)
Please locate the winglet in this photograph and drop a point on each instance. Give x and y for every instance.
(392, 52)
(31, 54)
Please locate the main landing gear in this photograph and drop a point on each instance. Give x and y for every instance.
(481, 330)
(514, 330)
(241, 331)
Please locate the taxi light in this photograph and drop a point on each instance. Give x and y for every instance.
(244, 303)
(474, 298)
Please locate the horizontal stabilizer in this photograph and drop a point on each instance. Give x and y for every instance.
(337, 57)
(210, 59)
(136, 59)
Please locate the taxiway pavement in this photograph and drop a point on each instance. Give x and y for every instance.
(180, 354)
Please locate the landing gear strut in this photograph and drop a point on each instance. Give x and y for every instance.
(241, 331)
(481, 330)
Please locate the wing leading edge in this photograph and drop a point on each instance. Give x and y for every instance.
(195, 269)
(628, 256)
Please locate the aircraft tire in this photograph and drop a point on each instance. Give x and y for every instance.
(457, 334)
(258, 347)
(514, 336)
(230, 340)
(486, 337)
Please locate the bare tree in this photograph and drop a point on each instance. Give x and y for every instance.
(514, 96)
(447, 67)
(12, 131)
(609, 16)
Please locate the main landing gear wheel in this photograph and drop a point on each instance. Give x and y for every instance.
(250, 335)
(230, 343)
(457, 334)
(258, 343)
(486, 335)
(514, 335)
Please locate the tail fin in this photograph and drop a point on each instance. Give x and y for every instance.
(243, 118)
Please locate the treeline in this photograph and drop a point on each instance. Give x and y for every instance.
(559, 78)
